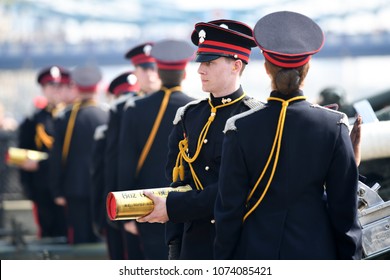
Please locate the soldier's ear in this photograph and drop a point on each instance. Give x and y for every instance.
(237, 65)
(266, 68)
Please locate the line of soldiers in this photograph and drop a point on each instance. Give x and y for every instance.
(154, 135)
(63, 128)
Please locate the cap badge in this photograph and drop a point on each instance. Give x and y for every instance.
(55, 72)
(226, 100)
(224, 26)
(132, 79)
(147, 49)
(202, 36)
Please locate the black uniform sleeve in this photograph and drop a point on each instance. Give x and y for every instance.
(26, 133)
(55, 158)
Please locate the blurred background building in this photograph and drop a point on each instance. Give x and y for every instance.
(36, 33)
(33, 33)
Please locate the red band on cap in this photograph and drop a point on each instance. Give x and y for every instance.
(181, 65)
(224, 48)
(49, 78)
(142, 58)
(286, 61)
(65, 80)
(86, 89)
(125, 87)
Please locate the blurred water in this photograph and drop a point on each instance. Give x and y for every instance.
(360, 76)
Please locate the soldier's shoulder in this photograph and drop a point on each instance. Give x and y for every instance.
(252, 103)
(231, 122)
(340, 117)
(183, 109)
(100, 132)
(131, 101)
(30, 116)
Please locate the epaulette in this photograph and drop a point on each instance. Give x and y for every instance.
(252, 103)
(131, 102)
(100, 132)
(121, 99)
(231, 122)
(343, 117)
(345, 120)
(104, 106)
(182, 110)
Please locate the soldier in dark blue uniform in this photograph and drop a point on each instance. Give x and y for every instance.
(277, 161)
(144, 133)
(36, 133)
(104, 166)
(71, 157)
(195, 143)
(145, 70)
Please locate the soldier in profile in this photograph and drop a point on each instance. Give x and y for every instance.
(195, 143)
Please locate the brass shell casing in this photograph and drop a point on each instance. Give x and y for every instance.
(128, 205)
(16, 156)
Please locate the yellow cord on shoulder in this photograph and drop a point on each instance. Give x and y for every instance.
(42, 138)
(277, 142)
(156, 125)
(69, 131)
(70, 126)
(178, 170)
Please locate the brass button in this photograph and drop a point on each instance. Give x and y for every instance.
(205, 141)
(212, 221)
(207, 168)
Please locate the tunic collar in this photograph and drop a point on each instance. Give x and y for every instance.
(226, 99)
(278, 94)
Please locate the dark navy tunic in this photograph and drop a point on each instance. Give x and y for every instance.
(51, 218)
(294, 220)
(71, 175)
(121, 244)
(138, 119)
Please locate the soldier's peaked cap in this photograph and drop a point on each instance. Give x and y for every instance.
(53, 74)
(223, 37)
(140, 55)
(123, 83)
(288, 39)
(86, 77)
(172, 54)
